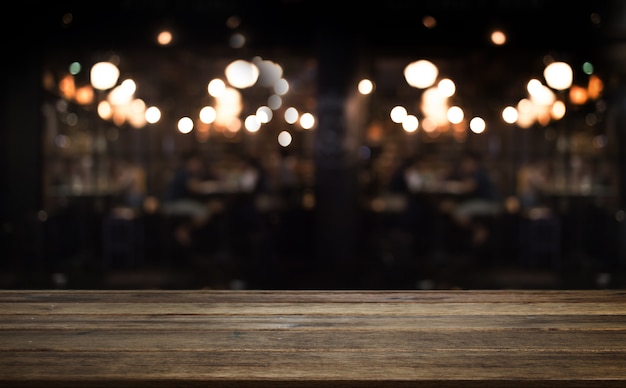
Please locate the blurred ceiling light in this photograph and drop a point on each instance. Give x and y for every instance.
(164, 38)
(595, 87)
(291, 115)
(446, 87)
(216, 87)
(421, 74)
(281, 87)
(410, 123)
(237, 40)
(558, 75)
(365, 86)
(241, 74)
(105, 110)
(104, 75)
(542, 95)
(274, 101)
(429, 21)
(578, 95)
(265, 114)
(526, 113)
(284, 138)
(208, 114)
(477, 125)
(153, 115)
(558, 110)
(269, 72)
(228, 106)
(233, 22)
(84, 95)
(498, 37)
(533, 86)
(434, 105)
(397, 114)
(307, 121)
(455, 114)
(136, 115)
(509, 114)
(185, 125)
(252, 123)
(587, 68)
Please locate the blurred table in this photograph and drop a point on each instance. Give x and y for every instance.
(313, 338)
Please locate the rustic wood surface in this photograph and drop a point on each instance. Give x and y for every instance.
(313, 338)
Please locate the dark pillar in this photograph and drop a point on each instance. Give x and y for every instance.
(615, 56)
(20, 143)
(334, 155)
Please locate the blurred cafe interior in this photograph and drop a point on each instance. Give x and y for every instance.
(329, 143)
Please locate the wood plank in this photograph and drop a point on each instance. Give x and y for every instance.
(313, 338)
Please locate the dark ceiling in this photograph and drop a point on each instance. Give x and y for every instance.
(391, 25)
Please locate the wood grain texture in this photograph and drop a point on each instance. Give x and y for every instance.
(313, 338)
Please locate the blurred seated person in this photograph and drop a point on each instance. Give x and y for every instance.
(183, 197)
(477, 197)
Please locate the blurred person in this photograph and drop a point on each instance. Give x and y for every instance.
(532, 180)
(183, 197)
(478, 197)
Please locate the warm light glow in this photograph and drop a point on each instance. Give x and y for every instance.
(558, 75)
(477, 125)
(252, 123)
(434, 105)
(207, 114)
(558, 110)
(498, 38)
(122, 94)
(228, 106)
(264, 114)
(216, 87)
(284, 138)
(526, 113)
(153, 114)
(578, 95)
(185, 125)
(365, 86)
(410, 123)
(542, 95)
(595, 87)
(446, 87)
(429, 21)
(509, 114)
(164, 38)
(397, 114)
(421, 74)
(67, 87)
(241, 74)
(105, 110)
(84, 95)
(136, 114)
(455, 114)
(104, 75)
(307, 121)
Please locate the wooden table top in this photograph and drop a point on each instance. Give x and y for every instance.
(313, 338)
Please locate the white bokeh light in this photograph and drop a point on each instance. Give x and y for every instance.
(421, 74)
(284, 138)
(185, 125)
(241, 74)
